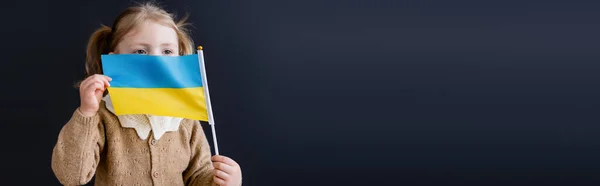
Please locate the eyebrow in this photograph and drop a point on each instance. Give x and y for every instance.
(146, 44)
(168, 44)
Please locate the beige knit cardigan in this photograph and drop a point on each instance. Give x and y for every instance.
(99, 146)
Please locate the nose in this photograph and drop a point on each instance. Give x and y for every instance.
(156, 52)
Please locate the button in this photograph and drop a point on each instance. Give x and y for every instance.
(153, 142)
(155, 174)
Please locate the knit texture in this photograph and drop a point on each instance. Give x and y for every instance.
(98, 146)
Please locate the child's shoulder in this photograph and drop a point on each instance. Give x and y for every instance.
(191, 126)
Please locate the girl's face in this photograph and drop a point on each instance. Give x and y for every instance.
(149, 38)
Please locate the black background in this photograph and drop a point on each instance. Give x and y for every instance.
(344, 92)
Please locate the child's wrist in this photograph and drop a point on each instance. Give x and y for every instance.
(86, 113)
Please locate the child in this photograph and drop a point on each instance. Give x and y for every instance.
(135, 149)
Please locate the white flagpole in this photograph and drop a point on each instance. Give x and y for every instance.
(211, 120)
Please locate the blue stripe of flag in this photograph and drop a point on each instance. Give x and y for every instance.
(147, 71)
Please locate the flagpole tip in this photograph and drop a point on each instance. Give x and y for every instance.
(199, 47)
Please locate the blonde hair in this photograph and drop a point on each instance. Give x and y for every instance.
(105, 39)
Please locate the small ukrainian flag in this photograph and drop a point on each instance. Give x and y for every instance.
(157, 85)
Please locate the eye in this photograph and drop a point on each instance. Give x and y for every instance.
(167, 52)
(139, 52)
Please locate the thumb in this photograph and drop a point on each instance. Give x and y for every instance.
(99, 95)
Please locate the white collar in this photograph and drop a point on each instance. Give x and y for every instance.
(144, 123)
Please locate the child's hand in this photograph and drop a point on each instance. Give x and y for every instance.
(90, 93)
(227, 171)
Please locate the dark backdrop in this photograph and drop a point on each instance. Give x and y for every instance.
(345, 92)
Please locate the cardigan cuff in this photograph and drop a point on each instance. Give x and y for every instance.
(80, 118)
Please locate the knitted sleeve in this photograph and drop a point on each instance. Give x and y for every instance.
(77, 151)
(200, 170)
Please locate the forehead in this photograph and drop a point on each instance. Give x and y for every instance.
(151, 33)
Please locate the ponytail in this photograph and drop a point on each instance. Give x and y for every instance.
(97, 45)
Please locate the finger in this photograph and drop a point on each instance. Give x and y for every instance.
(98, 77)
(224, 159)
(85, 83)
(221, 175)
(101, 79)
(224, 167)
(99, 89)
(107, 78)
(219, 181)
(104, 79)
(93, 87)
(106, 82)
(99, 94)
